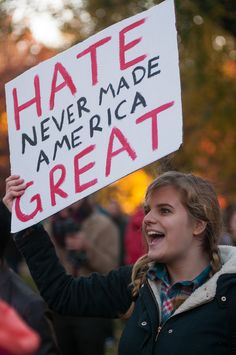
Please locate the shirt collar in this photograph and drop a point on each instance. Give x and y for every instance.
(159, 272)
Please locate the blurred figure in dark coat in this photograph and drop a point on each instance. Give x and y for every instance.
(22, 298)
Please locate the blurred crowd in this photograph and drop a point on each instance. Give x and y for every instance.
(88, 238)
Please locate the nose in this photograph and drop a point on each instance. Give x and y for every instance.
(149, 218)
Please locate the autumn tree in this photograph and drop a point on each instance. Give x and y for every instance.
(206, 33)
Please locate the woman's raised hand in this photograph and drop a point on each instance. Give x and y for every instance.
(15, 187)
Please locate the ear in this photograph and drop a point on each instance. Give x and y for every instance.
(199, 227)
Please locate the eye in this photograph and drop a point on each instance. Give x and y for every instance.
(165, 210)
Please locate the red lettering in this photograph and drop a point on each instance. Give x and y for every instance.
(27, 217)
(55, 187)
(35, 100)
(126, 46)
(67, 82)
(125, 147)
(93, 56)
(79, 171)
(153, 115)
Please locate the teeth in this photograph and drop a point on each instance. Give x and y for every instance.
(155, 233)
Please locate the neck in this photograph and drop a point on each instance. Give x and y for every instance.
(187, 269)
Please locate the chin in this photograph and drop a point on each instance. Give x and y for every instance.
(155, 257)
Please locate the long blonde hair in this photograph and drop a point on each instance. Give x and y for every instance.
(200, 200)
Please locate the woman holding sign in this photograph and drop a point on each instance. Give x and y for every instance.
(178, 299)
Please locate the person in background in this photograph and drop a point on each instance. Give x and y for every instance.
(135, 245)
(120, 219)
(22, 298)
(16, 337)
(57, 227)
(91, 245)
(229, 214)
(178, 298)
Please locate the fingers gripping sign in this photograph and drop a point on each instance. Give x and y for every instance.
(15, 187)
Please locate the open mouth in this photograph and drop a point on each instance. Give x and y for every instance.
(155, 236)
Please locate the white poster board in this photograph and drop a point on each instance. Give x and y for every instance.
(95, 113)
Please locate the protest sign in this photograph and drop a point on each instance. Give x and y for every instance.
(95, 113)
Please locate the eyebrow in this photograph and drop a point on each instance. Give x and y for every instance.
(159, 205)
(164, 205)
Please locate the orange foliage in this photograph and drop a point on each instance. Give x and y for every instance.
(229, 69)
(130, 190)
(222, 201)
(3, 123)
(208, 146)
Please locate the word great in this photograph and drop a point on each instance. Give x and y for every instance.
(56, 185)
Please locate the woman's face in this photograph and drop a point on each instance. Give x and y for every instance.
(169, 230)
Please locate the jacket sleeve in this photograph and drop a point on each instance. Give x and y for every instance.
(98, 295)
(5, 220)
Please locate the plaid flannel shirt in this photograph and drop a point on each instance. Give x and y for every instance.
(172, 296)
